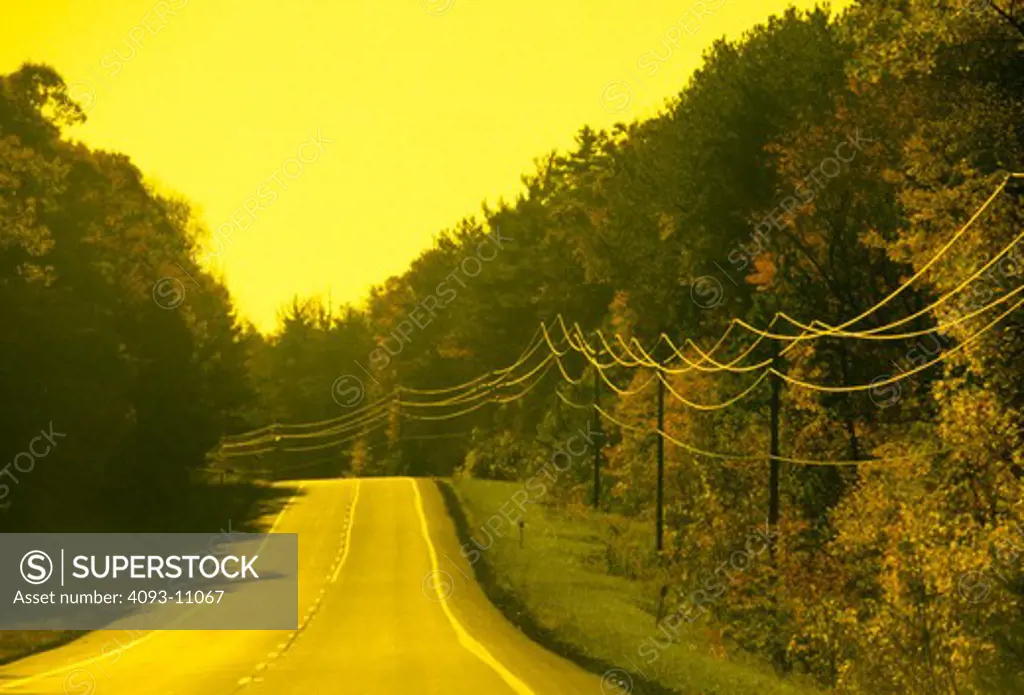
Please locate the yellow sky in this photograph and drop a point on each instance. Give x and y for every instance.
(433, 106)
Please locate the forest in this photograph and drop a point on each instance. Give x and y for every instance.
(810, 259)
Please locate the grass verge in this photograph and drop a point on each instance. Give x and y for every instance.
(557, 590)
(17, 644)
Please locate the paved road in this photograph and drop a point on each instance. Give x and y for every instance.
(385, 604)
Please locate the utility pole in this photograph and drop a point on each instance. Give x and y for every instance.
(394, 437)
(598, 435)
(773, 490)
(276, 465)
(773, 475)
(661, 460)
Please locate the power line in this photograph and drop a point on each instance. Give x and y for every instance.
(479, 392)
(761, 457)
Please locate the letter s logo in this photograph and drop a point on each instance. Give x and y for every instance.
(36, 567)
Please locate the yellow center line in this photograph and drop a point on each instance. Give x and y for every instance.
(348, 535)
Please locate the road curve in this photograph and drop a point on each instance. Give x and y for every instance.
(386, 605)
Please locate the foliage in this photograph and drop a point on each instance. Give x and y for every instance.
(809, 167)
(90, 347)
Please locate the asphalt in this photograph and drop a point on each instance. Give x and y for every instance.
(386, 605)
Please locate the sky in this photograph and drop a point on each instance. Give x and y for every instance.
(326, 143)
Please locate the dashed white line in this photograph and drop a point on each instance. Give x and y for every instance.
(339, 562)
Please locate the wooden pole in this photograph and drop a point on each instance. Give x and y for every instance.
(598, 436)
(773, 473)
(661, 464)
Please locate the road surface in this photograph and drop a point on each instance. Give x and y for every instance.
(386, 605)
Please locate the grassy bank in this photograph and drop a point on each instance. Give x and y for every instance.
(557, 589)
(17, 644)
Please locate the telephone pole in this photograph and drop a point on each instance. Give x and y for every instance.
(661, 460)
(598, 435)
(773, 474)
